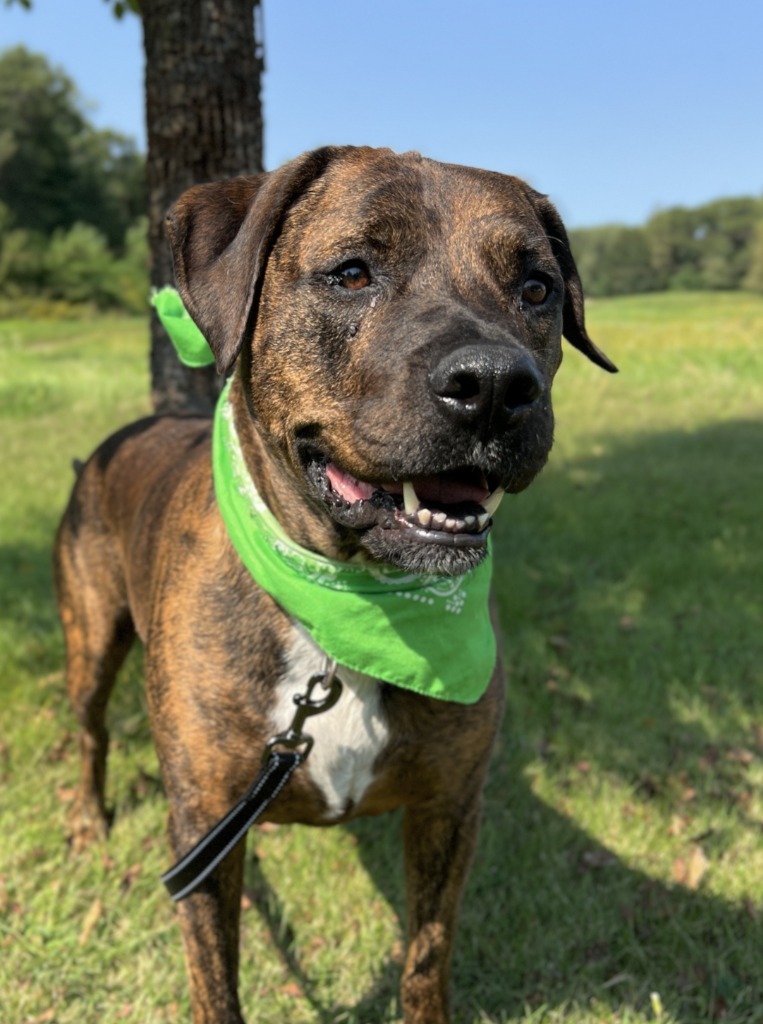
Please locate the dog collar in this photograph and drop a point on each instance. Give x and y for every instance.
(429, 634)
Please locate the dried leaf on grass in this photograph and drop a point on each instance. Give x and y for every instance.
(689, 871)
(677, 825)
(560, 642)
(43, 1018)
(740, 756)
(92, 917)
(591, 859)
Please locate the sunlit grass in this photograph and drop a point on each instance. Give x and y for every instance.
(620, 871)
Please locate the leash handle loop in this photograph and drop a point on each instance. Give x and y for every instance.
(200, 861)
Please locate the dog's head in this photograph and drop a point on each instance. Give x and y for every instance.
(398, 325)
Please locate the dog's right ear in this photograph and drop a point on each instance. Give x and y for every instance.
(221, 235)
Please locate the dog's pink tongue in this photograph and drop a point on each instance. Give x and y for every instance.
(435, 491)
(347, 486)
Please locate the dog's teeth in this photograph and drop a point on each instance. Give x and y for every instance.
(469, 522)
(483, 520)
(451, 525)
(438, 520)
(491, 503)
(410, 500)
(424, 516)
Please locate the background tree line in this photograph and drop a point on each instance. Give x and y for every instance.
(716, 246)
(73, 202)
(72, 197)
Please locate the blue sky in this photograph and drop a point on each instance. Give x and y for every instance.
(614, 109)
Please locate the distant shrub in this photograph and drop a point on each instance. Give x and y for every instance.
(614, 260)
(22, 262)
(79, 266)
(73, 267)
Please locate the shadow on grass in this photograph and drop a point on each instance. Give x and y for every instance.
(27, 609)
(372, 1006)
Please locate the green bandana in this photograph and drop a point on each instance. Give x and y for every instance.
(430, 634)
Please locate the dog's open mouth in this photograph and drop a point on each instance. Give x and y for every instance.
(453, 508)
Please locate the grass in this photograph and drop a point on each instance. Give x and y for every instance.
(620, 871)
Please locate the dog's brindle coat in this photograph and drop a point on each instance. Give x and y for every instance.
(390, 319)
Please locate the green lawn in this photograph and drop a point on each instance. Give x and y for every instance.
(620, 872)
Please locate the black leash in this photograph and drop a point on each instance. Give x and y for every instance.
(277, 768)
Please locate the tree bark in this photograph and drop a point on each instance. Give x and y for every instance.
(204, 119)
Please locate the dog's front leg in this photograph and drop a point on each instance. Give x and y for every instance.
(209, 921)
(439, 842)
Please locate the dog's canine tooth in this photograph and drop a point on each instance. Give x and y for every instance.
(483, 520)
(491, 503)
(438, 520)
(424, 516)
(410, 500)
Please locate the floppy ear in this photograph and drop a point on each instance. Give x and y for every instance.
(573, 325)
(221, 235)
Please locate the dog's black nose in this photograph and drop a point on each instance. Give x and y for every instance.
(488, 383)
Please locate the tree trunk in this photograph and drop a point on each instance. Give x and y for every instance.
(204, 120)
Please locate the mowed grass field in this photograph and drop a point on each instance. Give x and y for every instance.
(619, 876)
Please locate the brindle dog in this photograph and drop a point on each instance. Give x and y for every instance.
(391, 319)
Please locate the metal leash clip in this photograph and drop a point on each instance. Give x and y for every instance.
(306, 708)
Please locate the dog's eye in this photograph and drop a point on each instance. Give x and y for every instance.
(354, 275)
(534, 291)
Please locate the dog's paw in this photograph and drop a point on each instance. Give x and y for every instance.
(88, 824)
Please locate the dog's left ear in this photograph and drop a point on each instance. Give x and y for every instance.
(221, 235)
(573, 324)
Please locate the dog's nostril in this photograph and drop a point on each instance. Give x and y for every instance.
(464, 386)
(522, 389)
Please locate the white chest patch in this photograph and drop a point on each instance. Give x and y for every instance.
(348, 737)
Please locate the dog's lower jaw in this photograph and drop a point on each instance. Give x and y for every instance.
(390, 545)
